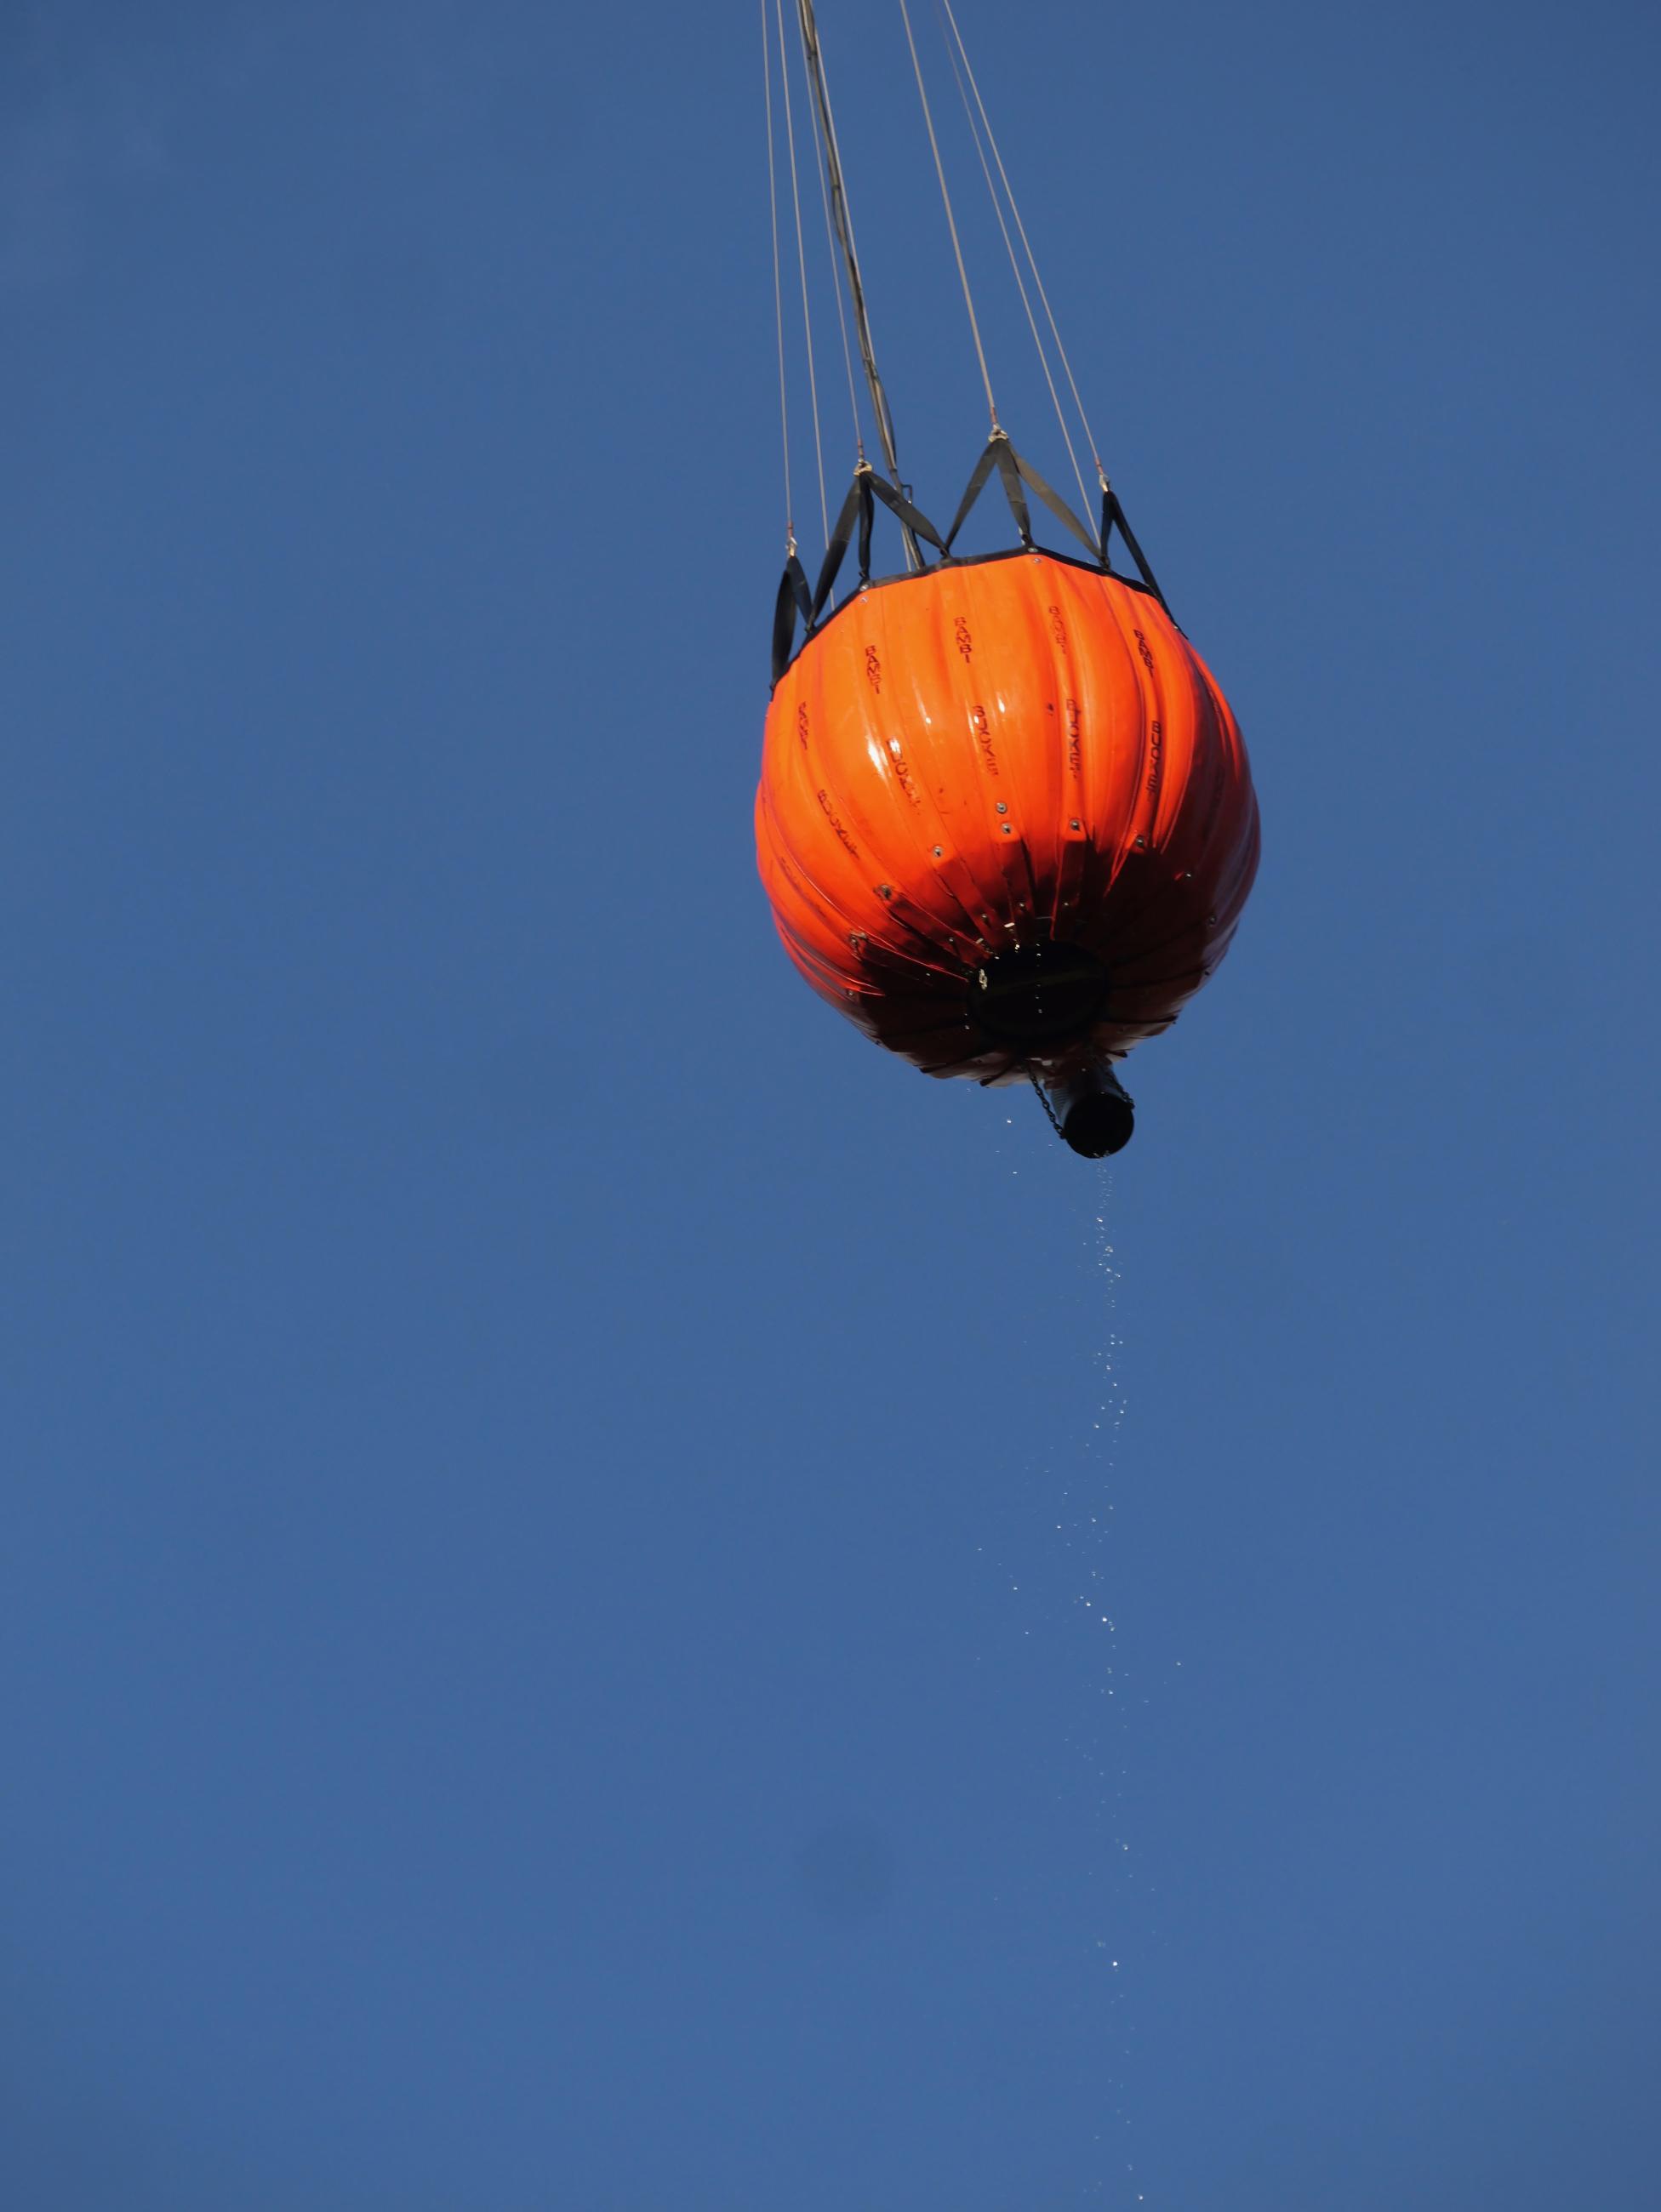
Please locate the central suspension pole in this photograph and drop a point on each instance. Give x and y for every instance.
(844, 227)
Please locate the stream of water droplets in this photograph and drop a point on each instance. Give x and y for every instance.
(1066, 1587)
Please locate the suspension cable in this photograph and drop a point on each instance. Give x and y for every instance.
(1031, 260)
(843, 217)
(802, 263)
(835, 275)
(952, 221)
(778, 289)
(1015, 267)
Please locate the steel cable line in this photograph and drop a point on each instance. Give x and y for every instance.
(836, 273)
(778, 289)
(1015, 267)
(951, 219)
(801, 264)
(1032, 259)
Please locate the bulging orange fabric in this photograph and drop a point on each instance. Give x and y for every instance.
(990, 754)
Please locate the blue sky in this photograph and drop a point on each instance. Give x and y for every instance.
(570, 1526)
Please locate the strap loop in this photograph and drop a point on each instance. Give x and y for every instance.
(1113, 518)
(793, 599)
(1013, 471)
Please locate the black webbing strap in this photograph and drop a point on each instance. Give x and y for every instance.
(1013, 472)
(794, 598)
(856, 505)
(1113, 518)
(1009, 474)
(866, 489)
(1057, 506)
(915, 519)
(972, 491)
